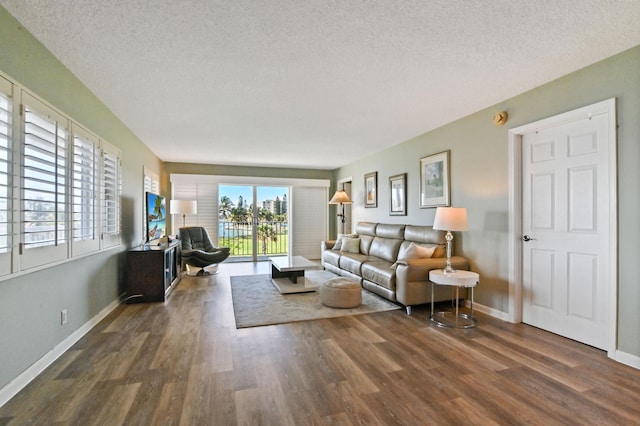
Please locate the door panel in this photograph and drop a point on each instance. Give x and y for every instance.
(566, 214)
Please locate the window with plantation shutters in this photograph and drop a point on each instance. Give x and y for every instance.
(60, 185)
(83, 196)
(6, 122)
(111, 176)
(45, 163)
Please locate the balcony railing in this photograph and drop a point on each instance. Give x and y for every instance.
(272, 237)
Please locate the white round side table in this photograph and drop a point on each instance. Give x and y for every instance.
(457, 279)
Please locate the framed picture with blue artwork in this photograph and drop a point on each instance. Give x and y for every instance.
(434, 180)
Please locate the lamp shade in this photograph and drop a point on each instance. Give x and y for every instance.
(450, 219)
(340, 197)
(183, 207)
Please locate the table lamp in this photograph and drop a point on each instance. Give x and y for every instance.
(450, 219)
(183, 207)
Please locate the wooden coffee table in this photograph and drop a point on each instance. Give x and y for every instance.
(287, 274)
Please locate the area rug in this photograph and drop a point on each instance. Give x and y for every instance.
(256, 302)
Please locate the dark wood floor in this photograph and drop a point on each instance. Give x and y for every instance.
(184, 362)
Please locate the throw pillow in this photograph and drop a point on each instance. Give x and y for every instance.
(416, 251)
(338, 244)
(351, 245)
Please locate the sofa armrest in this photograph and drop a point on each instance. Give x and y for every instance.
(327, 244)
(418, 269)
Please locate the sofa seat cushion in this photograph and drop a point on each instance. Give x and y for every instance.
(332, 257)
(380, 272)
(352, 262)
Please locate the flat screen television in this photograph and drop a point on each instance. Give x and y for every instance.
(156, 216)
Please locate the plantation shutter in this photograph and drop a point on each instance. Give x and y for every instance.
(44, 184)
(206, 194)
(84, 203)
(151, 182)
(309, 220)
(111, 192)
(6, 122)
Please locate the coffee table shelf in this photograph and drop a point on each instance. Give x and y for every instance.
(287, 274)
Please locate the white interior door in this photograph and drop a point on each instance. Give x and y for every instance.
(566, 229)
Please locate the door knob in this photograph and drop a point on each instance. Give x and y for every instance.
(526, 238)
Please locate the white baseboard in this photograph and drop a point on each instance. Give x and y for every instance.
(487, 310)
(627, 359)
(17, 384)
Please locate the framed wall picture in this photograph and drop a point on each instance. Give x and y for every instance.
(371, 189)
(398, 195)
(434, 180)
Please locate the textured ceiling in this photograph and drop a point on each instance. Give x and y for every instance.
(320, 83)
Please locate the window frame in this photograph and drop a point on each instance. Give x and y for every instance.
(32, 165)
(6, 258)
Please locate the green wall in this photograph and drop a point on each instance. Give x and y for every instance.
(30, 304)
(479, 178)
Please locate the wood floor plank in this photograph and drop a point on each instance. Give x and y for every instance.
(469, 412)
(557, 372)
(116, 406)
(349, 368)
(567, 358)
(554, 396)
(165, 412)
(183, 362)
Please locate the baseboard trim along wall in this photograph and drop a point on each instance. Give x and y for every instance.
(17, 384)
(628, 359)
(487, 310)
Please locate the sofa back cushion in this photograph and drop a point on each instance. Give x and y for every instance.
(366, 228)
(387, 241)
(366, 231)
(424, 234)
(428, 237)
(390, 231)
(385, 248)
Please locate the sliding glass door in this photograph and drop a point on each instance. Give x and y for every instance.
(253, 221)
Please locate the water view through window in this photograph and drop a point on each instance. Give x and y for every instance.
(253, 229)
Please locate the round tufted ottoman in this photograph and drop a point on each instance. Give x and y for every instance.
(340, 293)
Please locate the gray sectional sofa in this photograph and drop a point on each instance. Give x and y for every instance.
(392, 261)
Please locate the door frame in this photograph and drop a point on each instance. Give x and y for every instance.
(516, 210)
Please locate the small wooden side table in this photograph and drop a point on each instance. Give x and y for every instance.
(456, 279)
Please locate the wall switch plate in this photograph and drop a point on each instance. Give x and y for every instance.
(63, 317)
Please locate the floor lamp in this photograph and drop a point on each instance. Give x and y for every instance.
(183, 207)
(450, 219)
(341, 198)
